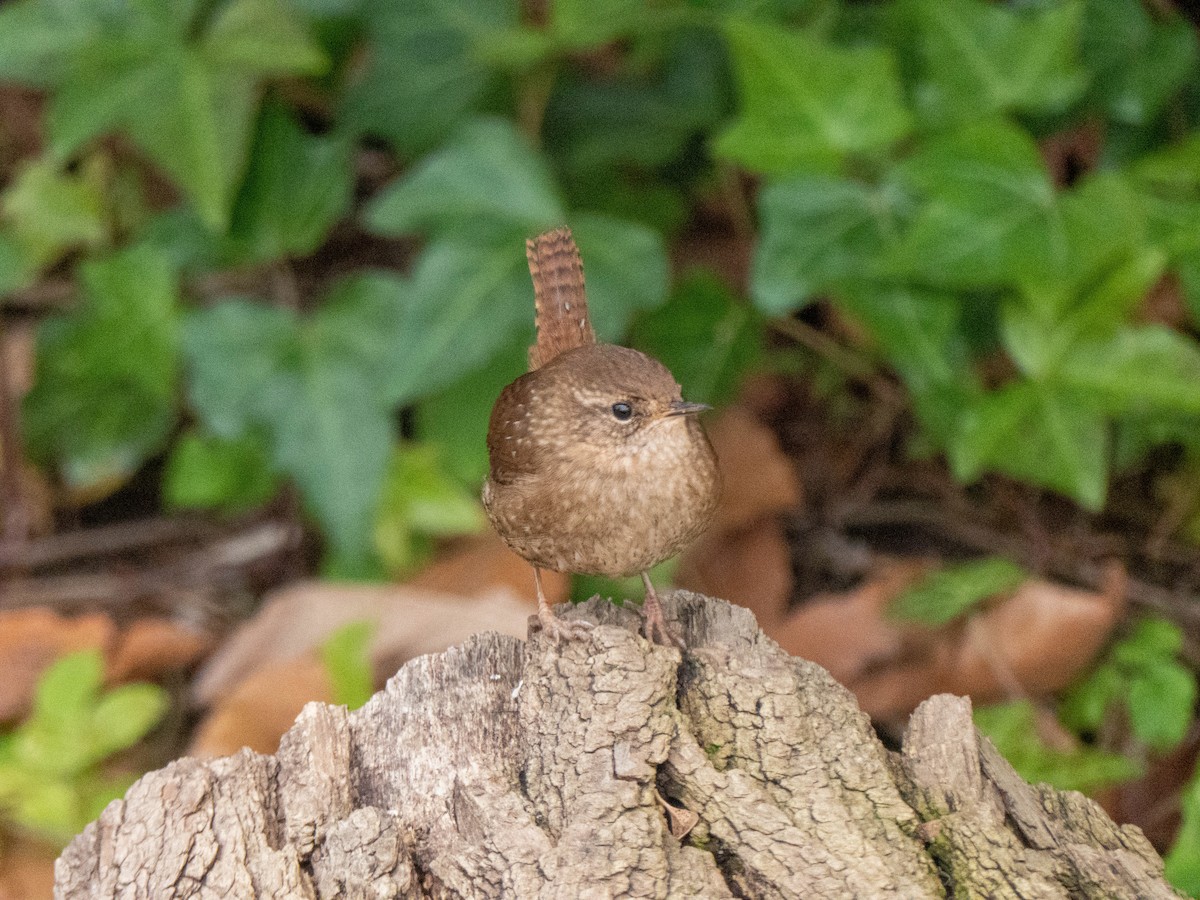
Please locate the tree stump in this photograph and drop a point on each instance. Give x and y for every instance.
(610, 767)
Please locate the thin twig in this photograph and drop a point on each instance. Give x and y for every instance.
(108, 540)
(842, 358)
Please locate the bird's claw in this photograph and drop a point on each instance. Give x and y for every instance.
(558, 629)
(657, 631)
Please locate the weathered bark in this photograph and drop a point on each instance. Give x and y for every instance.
(505, 769)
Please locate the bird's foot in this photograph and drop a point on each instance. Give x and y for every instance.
(558, 629)
(655, 627)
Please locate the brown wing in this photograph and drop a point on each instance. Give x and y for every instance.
(558, 295)
(511, 452)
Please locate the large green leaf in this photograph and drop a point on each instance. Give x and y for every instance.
(208, 472)
(1140, 59)
(991, 215)
(1139, 369)
(466, 303)
(486, 176)
(645, 117)
(425, 68)
(625, 265)
(297, 185)
(1039, 434)
(233, 351)
(104, 396)
(806, 104)
(918, 330)
(982, 58)
(50, 211)
(38, 39)
(704, 336)
(314, 388)
(456, 418)
(817, 231)
(1183, 860)
(265, 37)
(188, 100)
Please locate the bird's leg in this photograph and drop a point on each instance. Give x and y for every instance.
(555, 628)
(656, 627)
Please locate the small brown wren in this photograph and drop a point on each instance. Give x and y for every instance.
(598, 465)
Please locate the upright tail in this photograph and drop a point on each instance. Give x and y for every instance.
(558, 295)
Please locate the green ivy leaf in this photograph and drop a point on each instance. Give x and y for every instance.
(455, 419)
(625, 265)
(208, 472)
(192, 118)
(949, 592)
(1085, 705)
(1152, 641)
(980, 59)
(919, 331)
(991, 214)
(297, 185)
(1012, 727)
(313, 387)
(186, 96)
(466, 303)
(50, 211)
(596, 128)
(38, 40)
(1140, 60)
(1139, 369)
(1039, 434)
(816, 232)
(1162, 701)
(1183, 859)
(123, 716)
(704, 336)
(807, 105)
(485, 177)
(347, 659)
(263, 37)
(104, 393)
(420, 502)
(427, 67)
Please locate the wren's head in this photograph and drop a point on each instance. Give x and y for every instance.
(612, 398)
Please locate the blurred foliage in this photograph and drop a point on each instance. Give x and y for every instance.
(1141, 687)
(951, 591)
(1183, 860)
(346, 657)
(1144, 678)
(52, 778)
(899, 151)
(1013, 728)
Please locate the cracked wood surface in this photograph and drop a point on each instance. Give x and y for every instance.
(510, 769)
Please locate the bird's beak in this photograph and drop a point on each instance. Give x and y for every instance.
(683, 408)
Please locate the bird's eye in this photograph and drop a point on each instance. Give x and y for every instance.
(622, 411)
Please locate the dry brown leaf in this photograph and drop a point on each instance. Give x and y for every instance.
(1034, 642)
(31, 639)
(757, 477)
(751, 567)
(481, 564)
(848, 633)
(409, 621)
(151, 647)
(259, 709)
(26, 869)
